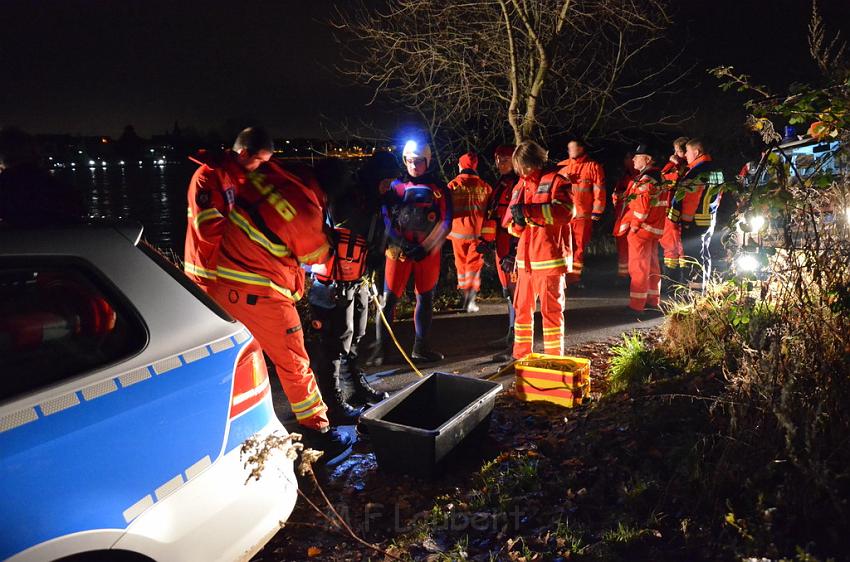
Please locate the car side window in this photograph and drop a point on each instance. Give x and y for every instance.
(58, 319)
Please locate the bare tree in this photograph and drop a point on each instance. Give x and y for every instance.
(474, 70)
(827, 53)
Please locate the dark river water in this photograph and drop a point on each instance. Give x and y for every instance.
(152, 195)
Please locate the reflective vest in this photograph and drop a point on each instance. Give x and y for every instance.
(212, 193)
(698, 193)
(544, 242)
(276, 223)
(470, 195)
(588, 185)
(646, 206)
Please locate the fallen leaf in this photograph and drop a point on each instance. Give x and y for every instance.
(314, 551)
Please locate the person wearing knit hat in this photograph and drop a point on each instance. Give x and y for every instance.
(470, 198)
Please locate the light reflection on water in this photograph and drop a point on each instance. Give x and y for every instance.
(153, 195)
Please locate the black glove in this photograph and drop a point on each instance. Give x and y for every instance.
(596, 217)
(508, 263)
(483, 246)
(517, 214)
(687, 225)
(413, 251)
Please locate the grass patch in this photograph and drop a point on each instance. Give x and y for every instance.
(634, 362)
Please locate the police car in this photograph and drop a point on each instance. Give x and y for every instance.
(126, 395)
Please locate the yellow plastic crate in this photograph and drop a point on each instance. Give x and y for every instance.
(553, 378)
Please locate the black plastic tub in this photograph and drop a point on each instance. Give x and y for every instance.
(416, 428)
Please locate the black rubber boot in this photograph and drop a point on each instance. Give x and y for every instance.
(471, 305)
(464, 301)
(336, 444)
(364, 392)
(340, 412)
(422, 353)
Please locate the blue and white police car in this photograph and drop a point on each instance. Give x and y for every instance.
(126, 394)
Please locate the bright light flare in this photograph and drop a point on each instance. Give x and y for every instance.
(747, 263)
(757, 223)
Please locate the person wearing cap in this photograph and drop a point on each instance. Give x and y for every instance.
(418, 217)
(470, 196)
(618, 198)
(505, 243)
(642, 224)
(671, 240)
(588, 191)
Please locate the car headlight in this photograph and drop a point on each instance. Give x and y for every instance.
(747, 263)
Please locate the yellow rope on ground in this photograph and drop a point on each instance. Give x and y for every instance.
(373, 292)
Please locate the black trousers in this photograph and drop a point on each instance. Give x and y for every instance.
(338, 325)
(696, 243)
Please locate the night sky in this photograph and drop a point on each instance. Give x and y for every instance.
(93, 67)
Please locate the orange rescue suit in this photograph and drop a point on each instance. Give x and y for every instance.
(212, 192)
(544, 255)
(671, 240)
(588, 192)
(618, 198)
(275, 224)
(470, 197)
(643, 225)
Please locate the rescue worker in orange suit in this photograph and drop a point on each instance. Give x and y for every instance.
(417, 217)
(505, 243)
(671, 240)
(642, 225)
(588, 181)
(276, 224)
(540, 213)
(619, 200)
(470, 197)
(695, 206)
(339, 295)
(212, 193)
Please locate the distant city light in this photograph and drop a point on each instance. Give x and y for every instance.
(91, 162)
(160, 162)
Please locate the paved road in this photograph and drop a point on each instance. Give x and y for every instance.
(592, 315)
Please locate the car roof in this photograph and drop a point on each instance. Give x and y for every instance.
(176, 320)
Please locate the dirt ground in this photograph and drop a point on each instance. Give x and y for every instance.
(546, 483)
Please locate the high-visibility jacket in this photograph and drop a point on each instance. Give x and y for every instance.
(419, 211)
(212, 192)
(618, 196)
(276, 223)
(470, 196)
(673, 169)
(646, 207)
(544, 242)
(500, 203)
(588, 185)
(698, 193)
